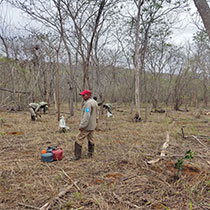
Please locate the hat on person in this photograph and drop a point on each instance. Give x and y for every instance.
(88, 92)
(42, 103)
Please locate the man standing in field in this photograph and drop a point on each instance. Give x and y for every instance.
(87, 125)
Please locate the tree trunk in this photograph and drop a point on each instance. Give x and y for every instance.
(58, 84)
(204, 11)
(5, 46)
(136, 58)
(90, 47)
(71, 74)
(14, 88)
(71, 99)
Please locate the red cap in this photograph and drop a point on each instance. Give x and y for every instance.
(86, 92)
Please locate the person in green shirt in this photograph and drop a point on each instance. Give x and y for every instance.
(87, 125)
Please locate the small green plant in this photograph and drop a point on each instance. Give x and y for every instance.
(194, 130)
(190, 205)
(78, 195)
(208, 182)
(2, 120)
(98, 201)
(2, 133)
(189, 155)
(108, 140)
(105, 187)
(113, 187)
(165, 207)
(180, 162)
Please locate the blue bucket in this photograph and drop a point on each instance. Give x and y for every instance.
(47, 157)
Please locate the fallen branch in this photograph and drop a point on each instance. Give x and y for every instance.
(64, 112)
(47, 205)
(199, 141)
(126, 202)
(203, 137)
(82, 207)
(175, 155)
(11, 91)
(74, 183)
(119, 110)
(131, 177)
(3, 101)
(153, 161)
(163, 150)
(6, 105)
(28, 206)
(198, 136)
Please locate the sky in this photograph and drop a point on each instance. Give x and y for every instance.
(183, 32)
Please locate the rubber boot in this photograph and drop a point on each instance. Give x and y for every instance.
(77, 151)
(90, 149)
(33, 118)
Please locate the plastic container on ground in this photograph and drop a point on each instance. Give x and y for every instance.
(47, 157)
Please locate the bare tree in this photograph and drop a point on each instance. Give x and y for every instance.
(139, 4)
(87, 17)
(53, 17)
(201, 49)
(152, 21)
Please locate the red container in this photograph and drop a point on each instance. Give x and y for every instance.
(57, 154)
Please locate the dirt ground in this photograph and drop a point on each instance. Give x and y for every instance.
(119, 176)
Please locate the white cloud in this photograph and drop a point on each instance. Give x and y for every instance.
(185, 29)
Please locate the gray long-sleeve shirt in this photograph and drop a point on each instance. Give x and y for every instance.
(89, 115)
(35, 106)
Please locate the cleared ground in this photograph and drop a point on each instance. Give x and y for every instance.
(118, 176)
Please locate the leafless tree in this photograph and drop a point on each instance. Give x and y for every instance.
(139, 4)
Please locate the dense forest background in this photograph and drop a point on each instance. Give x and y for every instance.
(121, 50)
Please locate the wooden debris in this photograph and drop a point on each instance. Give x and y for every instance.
(119, 110)
(158, 111)
(203, 137)
(126, 202)
(182, 129)
(153, 161)
(11, 91)
(28, 206)
(74, 183)
(197, 115)
(47, 205)
(199, 141)
(195, 137)
(137, 117)
(165, 145)
(177, 155)
(163, 150)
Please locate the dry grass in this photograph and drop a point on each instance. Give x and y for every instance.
(118, 176)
